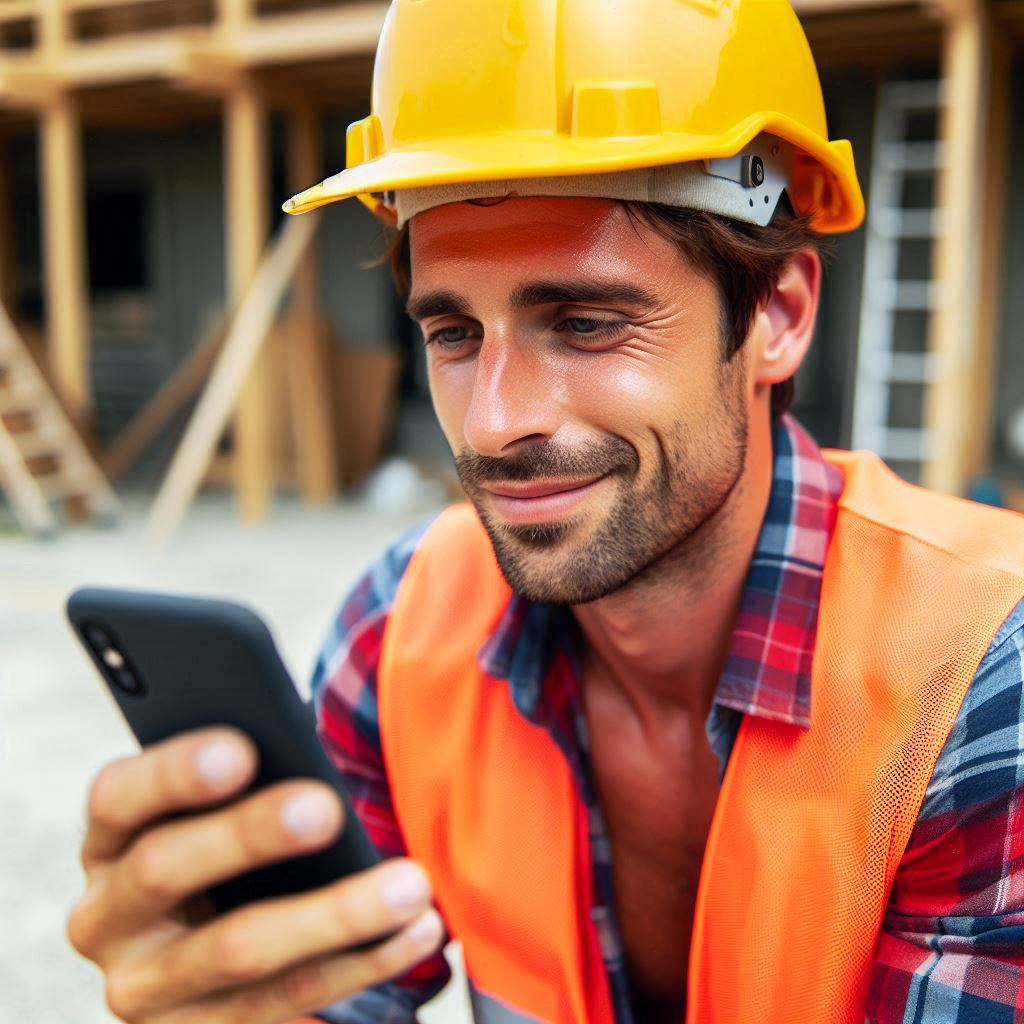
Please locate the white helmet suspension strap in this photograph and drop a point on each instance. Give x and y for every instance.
(745, 187)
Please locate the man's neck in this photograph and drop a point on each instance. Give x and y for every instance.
(663, 640)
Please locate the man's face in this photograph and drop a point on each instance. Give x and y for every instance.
(575, 362)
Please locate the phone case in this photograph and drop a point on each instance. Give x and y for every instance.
(188, 663)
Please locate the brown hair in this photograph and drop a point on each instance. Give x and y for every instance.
(743, 260)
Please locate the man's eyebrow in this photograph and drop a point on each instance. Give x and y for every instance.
(437, 303)
(443, 302)
(616, 293)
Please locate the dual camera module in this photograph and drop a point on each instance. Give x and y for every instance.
(115, 666)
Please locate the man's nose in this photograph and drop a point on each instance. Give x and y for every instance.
(514, 399)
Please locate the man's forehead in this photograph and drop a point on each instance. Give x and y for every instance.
(521, 239)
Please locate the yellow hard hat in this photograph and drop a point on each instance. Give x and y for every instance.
(498, 90)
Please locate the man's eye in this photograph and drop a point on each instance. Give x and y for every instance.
(590, 329)
(584, 325)
(448, 336)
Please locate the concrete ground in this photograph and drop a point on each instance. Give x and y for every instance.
(58, 725)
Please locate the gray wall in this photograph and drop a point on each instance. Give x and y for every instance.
(141, 335)
(360, 299)
(824, 396)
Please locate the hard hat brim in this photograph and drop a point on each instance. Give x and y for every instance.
(826, 167)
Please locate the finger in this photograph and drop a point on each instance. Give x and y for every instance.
(188, 771)
(176, 860)
(312, 985)
(257, 942)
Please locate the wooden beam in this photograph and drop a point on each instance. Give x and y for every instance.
(126, 58)
(29, 10)
(247, 203)
(953, 331)
(311, 35)
(19, 10)
(26, 82)
(307, 358)
(993, 170)
(99, 5)
(246, 334)
(193, 54)
(66, 275)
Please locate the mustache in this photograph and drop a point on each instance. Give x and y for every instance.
(547, 460)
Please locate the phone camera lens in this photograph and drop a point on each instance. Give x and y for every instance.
(98, 637)
(127, 681)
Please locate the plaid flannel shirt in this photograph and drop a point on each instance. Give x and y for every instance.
(952, 944)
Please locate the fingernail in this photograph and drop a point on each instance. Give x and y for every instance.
(219, 763)
(405, 887)
(308, 815)
(426, 931)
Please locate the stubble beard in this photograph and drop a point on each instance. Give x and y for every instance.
(697, 472)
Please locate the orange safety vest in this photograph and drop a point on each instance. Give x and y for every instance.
(810, 825)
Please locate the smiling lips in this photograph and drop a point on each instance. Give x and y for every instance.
(533, 502)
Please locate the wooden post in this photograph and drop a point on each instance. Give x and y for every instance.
(307, 360)
(994, 172)
(66, 273)
(954, 336)
(246, 201)
(233, 14)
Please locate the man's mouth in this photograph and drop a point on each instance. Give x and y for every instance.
(539, 501)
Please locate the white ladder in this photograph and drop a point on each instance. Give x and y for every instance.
(34, 429)
(882, 360)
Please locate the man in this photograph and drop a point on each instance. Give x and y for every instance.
(683, 718)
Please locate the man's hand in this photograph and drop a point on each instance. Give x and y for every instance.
(260, 964)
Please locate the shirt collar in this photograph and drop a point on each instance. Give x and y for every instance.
(768, 668)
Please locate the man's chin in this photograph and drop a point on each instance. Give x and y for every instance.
(535, 558)
(535, 536)
(547, 563)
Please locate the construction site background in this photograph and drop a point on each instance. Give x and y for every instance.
(254, 393)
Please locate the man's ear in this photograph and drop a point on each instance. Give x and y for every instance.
(784, 325)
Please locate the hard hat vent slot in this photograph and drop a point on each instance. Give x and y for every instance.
(364, 141)
(615, 109)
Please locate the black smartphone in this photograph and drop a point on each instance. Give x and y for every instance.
(179, 663)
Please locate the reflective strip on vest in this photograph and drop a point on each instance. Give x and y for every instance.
(489, 1011)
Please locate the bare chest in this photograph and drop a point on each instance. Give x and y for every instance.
(658, 791)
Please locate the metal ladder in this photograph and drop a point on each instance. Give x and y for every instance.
(34, 429)
(887, 357)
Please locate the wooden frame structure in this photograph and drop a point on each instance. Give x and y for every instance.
(65, 60)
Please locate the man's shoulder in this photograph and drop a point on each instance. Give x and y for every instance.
(360, 622)
(963, 530)
(364, 610)
(983, 757)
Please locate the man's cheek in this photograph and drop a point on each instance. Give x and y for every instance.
(447, 409)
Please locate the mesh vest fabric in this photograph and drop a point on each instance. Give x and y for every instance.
(810, 825)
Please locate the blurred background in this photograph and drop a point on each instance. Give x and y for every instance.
(252, 391)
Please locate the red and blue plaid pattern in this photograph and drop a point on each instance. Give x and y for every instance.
(952, 949)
